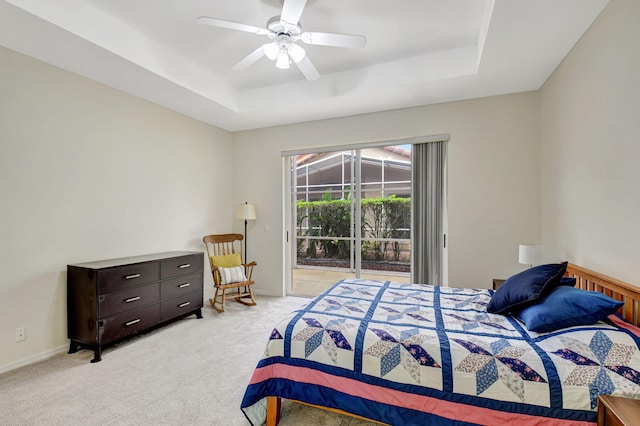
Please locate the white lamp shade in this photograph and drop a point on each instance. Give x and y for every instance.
(296, 52)
(271, 50)
(246, 211)
(529, 254)
(282, 61)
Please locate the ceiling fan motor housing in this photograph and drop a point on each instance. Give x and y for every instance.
(283, 31)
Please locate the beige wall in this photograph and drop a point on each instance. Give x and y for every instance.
(494, 192)
(88, 173)
(590, 144)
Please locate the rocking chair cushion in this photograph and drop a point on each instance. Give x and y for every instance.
(226, 260)
(234, 274)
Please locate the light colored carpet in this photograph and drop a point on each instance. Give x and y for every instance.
(191, 372)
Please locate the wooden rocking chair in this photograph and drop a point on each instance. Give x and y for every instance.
(225, 256)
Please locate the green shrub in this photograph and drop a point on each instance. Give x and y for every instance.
(382, 217)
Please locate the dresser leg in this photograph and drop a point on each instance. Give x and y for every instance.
(199, 313)
(73, 347)
(97, 354)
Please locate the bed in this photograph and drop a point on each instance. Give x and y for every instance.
(414, 354)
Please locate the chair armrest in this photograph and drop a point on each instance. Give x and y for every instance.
(249, 269)
(216, 274)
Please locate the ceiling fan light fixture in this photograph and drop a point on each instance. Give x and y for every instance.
(283, 59)
(296, 52)
(271, 50)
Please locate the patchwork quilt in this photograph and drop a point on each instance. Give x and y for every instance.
(425, 355)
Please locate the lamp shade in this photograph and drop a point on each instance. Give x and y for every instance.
(296, 52)
(529, 254)
(246, 211)
(271, 50)
(282, 61)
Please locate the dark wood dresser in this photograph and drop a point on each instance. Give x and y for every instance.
(110, 300)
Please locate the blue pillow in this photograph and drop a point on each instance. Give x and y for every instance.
(526, 287)
(571, 282)
(566, 307)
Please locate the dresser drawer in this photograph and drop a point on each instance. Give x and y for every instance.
(180, 305)
(112, 279)
(175, 266)
(181, 285)
(130, 298)
(129, 322)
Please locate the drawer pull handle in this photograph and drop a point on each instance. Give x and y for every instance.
(186, 265)
(182, 305)
(135, 321)
(132, 276)
(132, 299)
(184, 285)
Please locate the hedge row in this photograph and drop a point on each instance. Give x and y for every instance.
(382, 217)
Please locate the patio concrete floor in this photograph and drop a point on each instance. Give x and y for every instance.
(312, 282)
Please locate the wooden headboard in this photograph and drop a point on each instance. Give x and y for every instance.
(594, 281)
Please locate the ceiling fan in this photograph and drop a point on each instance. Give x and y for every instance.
(284, 31)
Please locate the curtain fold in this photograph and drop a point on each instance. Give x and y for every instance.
(428, 209)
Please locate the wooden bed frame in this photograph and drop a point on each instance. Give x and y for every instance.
(585, 279)
(594, 281)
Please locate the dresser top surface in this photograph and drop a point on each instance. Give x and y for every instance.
(108, 263)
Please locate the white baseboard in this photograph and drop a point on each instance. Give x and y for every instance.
(42, 356)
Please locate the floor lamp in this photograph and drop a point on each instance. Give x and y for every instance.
(246, 212)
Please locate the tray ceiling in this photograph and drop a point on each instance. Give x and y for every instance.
(418, 52)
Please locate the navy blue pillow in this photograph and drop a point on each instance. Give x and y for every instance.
(566, 307)
(526, 287)
(571, 282)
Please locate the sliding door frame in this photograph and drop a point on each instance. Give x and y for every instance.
(288, 207)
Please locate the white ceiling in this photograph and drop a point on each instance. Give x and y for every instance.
(418, 52)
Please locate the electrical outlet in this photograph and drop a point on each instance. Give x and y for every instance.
(21, 334)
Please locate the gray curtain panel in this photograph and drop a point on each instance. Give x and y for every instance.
(428, 207)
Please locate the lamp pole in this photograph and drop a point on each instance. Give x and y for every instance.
(245, 240)
(246, 212)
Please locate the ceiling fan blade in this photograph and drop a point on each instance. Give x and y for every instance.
(337, 40)
(308, 70)
(250, 59)
(232, 25)
(292, 10)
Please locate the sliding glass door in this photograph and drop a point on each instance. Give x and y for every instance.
(349, 216)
